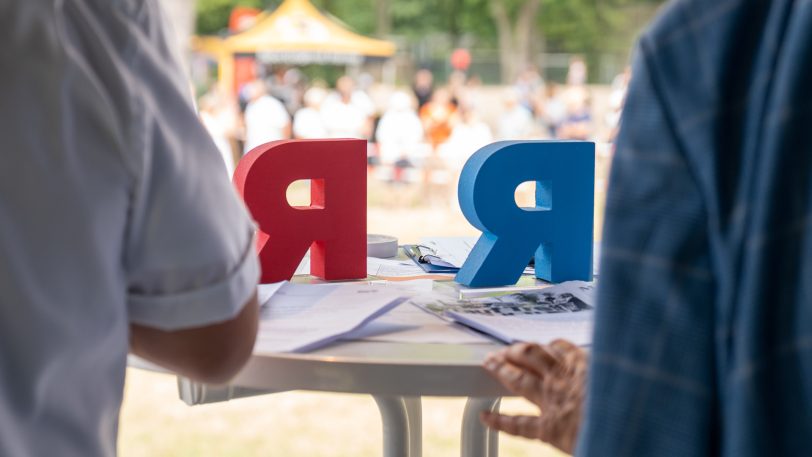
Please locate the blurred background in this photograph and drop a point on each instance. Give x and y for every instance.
(426, 83)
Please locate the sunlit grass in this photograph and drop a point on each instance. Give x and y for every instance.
(155, 423)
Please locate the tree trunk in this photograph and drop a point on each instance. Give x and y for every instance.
(514, 39)
(524, 34)
(383, 17)
(505, 34)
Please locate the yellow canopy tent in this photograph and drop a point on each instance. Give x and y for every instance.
(295, 33)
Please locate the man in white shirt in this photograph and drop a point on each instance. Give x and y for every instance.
(345, 114)
(516, 121)
(266, 118)
(308, 123)
(120, 231)
(400, 132)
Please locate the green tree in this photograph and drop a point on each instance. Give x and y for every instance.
(212, 15)
(517, 28)
(514, 20)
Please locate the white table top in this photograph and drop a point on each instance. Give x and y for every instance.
(378, 368)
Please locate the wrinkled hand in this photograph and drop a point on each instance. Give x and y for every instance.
(552, 377)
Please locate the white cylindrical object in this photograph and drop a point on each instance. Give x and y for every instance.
(382, 246)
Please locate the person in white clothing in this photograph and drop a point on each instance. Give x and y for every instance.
(308, 123)
(400, 136)
(468, 135)
(516, 122)
(120, 231)
(344, 115)
(266, 118)
(220, 125)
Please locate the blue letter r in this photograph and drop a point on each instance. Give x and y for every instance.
(558, 229)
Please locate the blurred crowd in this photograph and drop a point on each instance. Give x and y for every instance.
(421, 134)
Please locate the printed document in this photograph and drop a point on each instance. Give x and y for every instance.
(303, 317)
(562, 311)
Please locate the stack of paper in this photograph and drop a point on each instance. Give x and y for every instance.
(303, 317)
(562, 311)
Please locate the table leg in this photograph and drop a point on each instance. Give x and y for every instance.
(477, 440)
(414, 409)
(493, 435)
(395, 418)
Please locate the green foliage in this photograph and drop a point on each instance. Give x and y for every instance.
(212, 15)
(593, 26)
(589, 27)
(359, 15)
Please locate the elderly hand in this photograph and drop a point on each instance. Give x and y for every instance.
(552, 377)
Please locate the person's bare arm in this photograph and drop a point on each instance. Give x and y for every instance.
(553, 378)
(211, 354)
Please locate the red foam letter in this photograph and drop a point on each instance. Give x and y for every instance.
(335, 223)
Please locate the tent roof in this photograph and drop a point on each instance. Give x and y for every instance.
(297, 30)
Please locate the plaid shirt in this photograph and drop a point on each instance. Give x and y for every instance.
(703, 338)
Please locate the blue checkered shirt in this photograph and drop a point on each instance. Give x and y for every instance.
(703, 337)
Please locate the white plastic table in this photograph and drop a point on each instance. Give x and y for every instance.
(397, 375)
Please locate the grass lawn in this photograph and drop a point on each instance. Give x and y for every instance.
(155, 423)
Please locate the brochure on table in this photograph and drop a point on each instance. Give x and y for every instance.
(562, 311)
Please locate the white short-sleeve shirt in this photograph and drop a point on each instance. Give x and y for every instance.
(265, 121)
(114, 209)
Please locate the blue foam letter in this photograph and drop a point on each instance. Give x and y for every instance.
(558, 229)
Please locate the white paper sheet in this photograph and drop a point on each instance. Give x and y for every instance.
(409, 287)
(409, 324)
(302, 317)
(393, 268)
(266, 291)
(452, 249)
(455, 249)
(543, 329)
(561, 311)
